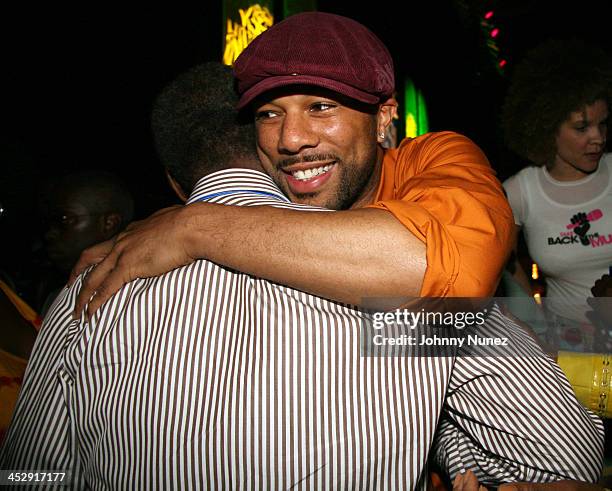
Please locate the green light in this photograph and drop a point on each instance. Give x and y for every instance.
(415, 111)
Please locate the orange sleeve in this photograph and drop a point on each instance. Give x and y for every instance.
(446, 193)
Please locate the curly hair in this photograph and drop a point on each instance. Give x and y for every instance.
(553, 80)
(196, 127)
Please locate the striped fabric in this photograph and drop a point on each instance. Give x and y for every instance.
(530, 415)
(205, 378)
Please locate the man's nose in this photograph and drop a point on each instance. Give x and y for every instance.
(297, 133)
(51, 233)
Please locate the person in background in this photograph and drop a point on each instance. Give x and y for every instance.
(555, 116)
(81, 208)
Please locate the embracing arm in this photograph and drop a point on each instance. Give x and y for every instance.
(345, 256)
(441, 213)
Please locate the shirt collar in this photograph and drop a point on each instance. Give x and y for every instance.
(234, 181)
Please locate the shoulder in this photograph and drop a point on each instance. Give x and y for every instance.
(438, 140)
(440, 149)
(522, 178)
(516, 189)
(444, 153)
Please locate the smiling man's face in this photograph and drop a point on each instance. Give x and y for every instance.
(319, 148)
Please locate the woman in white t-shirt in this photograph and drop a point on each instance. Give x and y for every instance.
(556, 115)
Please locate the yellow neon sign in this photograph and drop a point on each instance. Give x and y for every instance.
(253, 21)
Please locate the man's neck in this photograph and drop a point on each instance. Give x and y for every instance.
(368, 194)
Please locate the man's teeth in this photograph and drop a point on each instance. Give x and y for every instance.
(310, 173)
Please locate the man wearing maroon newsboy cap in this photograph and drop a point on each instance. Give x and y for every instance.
(413, 221)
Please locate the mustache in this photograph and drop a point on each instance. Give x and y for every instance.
(316, 157)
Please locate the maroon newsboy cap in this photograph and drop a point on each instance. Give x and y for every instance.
(320, 49)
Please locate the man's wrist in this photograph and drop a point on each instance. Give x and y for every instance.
(195, 228)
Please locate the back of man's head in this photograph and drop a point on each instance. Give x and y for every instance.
(196, 126)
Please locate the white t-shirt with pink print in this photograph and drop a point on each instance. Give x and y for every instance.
(568, 230)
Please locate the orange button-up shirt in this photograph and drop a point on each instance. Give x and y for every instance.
(443, 189)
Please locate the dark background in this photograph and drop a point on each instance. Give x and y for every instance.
(79, 81)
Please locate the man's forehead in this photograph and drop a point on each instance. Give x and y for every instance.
(308, 93)
(74, 199)
(68, 204)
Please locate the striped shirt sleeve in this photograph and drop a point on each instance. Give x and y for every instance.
(516, 418)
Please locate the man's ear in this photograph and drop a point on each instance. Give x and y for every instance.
(112, 222)
(387, 111)
(176, 187)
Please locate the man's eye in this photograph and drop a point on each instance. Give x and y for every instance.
(321, 106)
(262, 115)
(61, 220)
(67, 219)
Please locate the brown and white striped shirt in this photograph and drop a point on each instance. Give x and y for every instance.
(206, 378)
